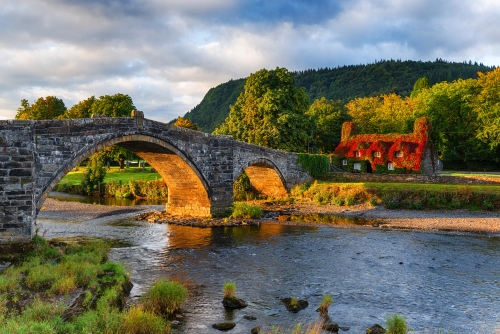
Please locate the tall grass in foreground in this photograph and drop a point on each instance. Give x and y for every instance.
(246, 211)
(50, 272)
(396, 324)
(164, 297)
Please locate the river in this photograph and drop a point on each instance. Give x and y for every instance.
(438, 281)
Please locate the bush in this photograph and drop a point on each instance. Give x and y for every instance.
(246, 211)
(325, 304)
(396, 324)
(243, 189)
(164, 297)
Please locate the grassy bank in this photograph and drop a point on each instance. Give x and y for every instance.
(402, 195)
(70, 289)
(130, 182)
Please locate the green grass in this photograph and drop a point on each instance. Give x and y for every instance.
(49, 271)
(164, 297)
(75, 178)
(229, 290)
(243, 210)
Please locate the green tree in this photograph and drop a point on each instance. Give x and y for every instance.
(49, 107)
(328, 117)
(270, 112)
(186, 123)
(454, 121)
(118, 105)
(488, 108)
(422, 83)
(94, 175)
(81, 109)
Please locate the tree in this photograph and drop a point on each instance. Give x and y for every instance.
(384, 114)
(270, 112)
(81, 109)
(94, 175)
(488, 108)
(454, 121)
(328, 117)
(186, 123)
(422, 83)
(50, 107)
(118, 105)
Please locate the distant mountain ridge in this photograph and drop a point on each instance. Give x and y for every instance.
(342, 83)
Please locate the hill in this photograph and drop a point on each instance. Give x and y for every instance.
(342, 83)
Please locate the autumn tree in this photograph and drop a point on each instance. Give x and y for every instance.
(186, 123)
(384, 114)
(328, 117)
(49, 107)
(270, 112)
(420, 84)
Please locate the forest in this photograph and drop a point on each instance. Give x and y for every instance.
(341, 84)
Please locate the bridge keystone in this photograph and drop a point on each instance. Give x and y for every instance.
(198, 168)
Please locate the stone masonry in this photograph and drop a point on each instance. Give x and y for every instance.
(198, 168)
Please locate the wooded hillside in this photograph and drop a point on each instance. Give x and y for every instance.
(342, 83)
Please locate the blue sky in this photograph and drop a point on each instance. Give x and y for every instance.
(166, 54)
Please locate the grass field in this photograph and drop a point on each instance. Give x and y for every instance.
(75, 178)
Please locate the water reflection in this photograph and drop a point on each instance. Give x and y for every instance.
(105, 200)
(436, 280)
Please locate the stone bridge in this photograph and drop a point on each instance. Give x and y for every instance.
(198, 168)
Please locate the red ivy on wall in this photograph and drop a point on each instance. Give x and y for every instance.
(403, 150)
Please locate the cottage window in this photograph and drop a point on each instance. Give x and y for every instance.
(376, 154)
(357, 154)
(399, 154)
(357, 166)
(390, 166)
(344, 162)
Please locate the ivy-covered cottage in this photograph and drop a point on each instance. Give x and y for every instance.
(387, 153)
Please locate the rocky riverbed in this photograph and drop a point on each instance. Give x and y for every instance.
(447, 220)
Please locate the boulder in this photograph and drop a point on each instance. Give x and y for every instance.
(224, 326)
(375, 329)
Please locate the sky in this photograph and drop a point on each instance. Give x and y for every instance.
(166, 54)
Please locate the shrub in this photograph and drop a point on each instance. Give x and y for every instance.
(229, 289)
(243, 189)
(315, 164)
(396, 324)
(243, 210)
(93, 176)
(164, 297)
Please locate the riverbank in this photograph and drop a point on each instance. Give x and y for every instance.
(444, 220)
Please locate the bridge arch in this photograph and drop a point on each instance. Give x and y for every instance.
(188, 191)
(265, 177)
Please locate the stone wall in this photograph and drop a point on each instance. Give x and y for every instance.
(16, 181)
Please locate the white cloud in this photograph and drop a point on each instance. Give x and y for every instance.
(167, 54)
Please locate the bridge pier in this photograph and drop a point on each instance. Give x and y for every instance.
(198, 168)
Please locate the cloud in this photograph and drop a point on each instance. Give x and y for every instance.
(166, 54)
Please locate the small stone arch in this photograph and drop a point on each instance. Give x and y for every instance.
(188, 193)
(265, 177)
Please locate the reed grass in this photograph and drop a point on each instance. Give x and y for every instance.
(164, 297)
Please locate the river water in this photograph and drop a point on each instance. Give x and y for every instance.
(437, 281)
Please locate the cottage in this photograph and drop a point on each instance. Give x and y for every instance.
(387, 153)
